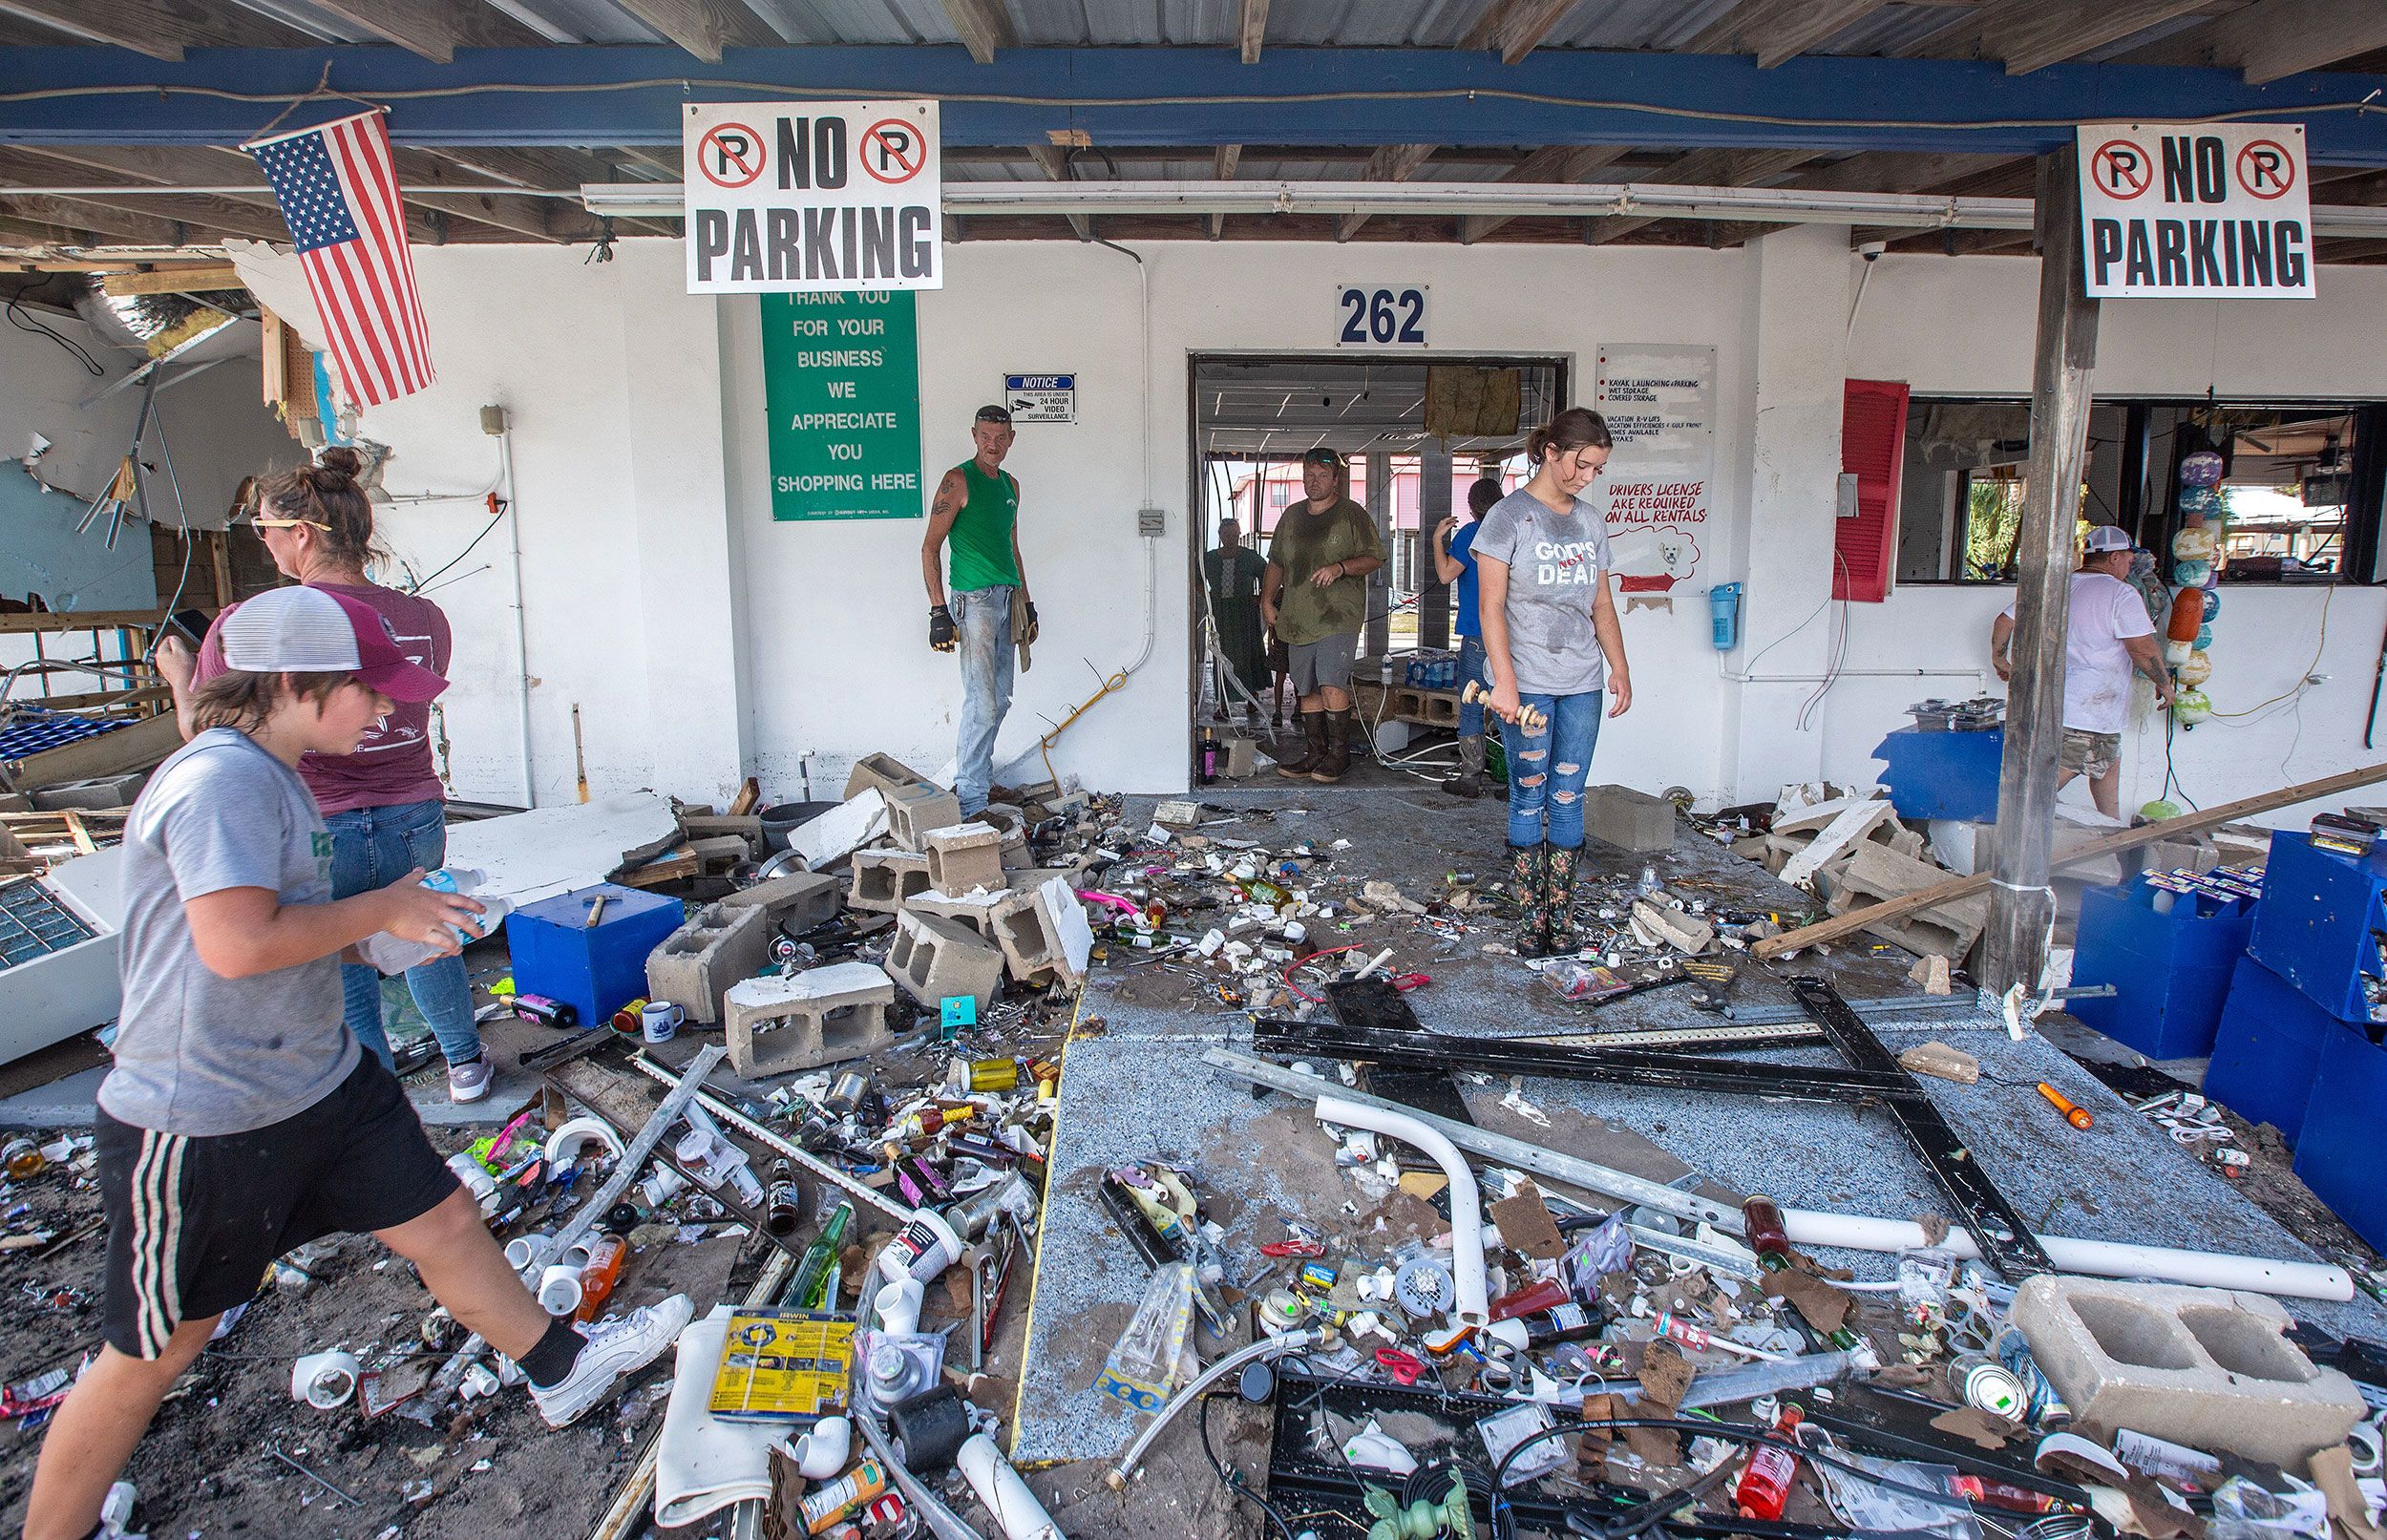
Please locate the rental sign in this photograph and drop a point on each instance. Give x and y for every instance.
(811, 196)
(2204, 210)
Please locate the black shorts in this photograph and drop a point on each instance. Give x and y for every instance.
(194, 1220)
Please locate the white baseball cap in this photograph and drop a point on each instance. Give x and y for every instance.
(2103, 538)
(301, 630)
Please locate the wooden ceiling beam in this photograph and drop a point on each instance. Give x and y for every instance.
(703, 28)
(160, 28)
(983, 26)
(2272, 39)
(435, 28)
(1778, 31)
(1515, 26)
(190, 277)
(22, 234)
(1550, 163)
(128, 226)
(2031, 34)
(1701, 168)
(1223, 162)
(550, 168)
(88, 165)
(1391, 162)
(1251, 29)
(1054, 163)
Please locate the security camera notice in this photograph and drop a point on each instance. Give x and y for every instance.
(841, 385)
(2220, 210)
(811, 196)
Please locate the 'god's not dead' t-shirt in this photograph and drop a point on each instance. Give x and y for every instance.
(1555, 562)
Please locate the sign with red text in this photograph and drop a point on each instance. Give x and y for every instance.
(2204, 210)
(1659, 403)
(813, 197)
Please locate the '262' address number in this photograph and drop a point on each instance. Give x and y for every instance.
(1385, 316)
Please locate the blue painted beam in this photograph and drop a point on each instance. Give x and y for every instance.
(591, 94)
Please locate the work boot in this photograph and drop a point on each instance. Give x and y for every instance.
(1529, 882)
(1564, 867)
(1314, 735)
(1337, 759)
(1468, 781)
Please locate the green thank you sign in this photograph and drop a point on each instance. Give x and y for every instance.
(841, 385)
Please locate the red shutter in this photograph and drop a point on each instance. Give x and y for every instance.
(1872, 449)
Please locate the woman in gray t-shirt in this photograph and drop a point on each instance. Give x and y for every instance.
(1553, 643)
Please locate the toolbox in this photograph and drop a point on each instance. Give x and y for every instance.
(594, 969)
(2319, 923)
(2168, 955)
(2267, 1049)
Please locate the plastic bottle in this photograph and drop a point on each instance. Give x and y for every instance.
(1765, 1485)
(602, 1271)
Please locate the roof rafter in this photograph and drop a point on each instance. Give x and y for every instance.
(161, 28)
(1223, 166)
(2272, 39)
(1550, 163)
(703, 28)
(1391, 162)
(2031, 34)
(1778, 31)
(1053, 160)
(1515, 26)
(435, 28)
(1251, 29)
(983, 26)
(1701, 168)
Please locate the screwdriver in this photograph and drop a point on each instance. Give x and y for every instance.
(2074, 1115)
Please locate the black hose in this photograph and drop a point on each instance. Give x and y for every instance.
(1232, 1480)
(1723, 1430)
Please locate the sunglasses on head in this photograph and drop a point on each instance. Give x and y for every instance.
(268, 522)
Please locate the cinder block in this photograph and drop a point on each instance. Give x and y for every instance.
(974, 910)
(1876, 874)
(821, 1016)
(709, 826)
(884, 772)
(799, 901)
(1032, 933)
(935, 959)
(2210, 1368)
(882, 879)
(965, 858)
(1012, 824)
(1242, 759)
(1630, 820)
(913, 810)
(697, 964)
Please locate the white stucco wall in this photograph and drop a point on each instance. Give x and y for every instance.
(704, 642)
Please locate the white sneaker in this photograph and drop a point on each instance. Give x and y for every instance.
(470, 1082)
(616, 1348)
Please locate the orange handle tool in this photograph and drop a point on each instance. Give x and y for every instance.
(2074, 1115)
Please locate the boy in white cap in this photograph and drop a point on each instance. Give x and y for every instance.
(242, 1118)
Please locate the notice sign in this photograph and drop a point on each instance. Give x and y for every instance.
(1659, 403)
(2216, 210)
(1040, 397)
(841, 384)
(823, 196)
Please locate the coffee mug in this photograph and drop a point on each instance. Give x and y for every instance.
(659, 1022)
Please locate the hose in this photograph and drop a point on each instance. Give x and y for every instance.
(1116, 1478)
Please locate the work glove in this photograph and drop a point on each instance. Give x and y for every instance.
(940, 629)
(1032, 620)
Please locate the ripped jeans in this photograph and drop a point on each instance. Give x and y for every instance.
(1547, 768)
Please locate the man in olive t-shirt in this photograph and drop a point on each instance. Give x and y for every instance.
(1315, 597)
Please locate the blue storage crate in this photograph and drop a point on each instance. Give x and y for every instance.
(596, 969)
(2316, 922)
(2168, 955)
(2266, 1051)
(1934, 774)
(2338, 1153)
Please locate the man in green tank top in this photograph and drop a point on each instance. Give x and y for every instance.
(977, 509)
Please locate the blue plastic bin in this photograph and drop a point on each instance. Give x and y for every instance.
(2169, 967)
(1934, 774)
(2338, 1155)
(2313, 926)
(596, 969)
(2266, 1051)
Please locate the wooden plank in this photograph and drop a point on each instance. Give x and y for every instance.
(2021, 905)
(435, 28)
(1251, 29)
(161, 28)
(1515, 26)
(91, 620)
(1778, 31)
(120, 224)
(185, 279)
(142, 696)
(1391, 162)
(1054, 163)
(983, 26)
(74, 829)
(2031, 34)
(1701, 168)
(2113, 844)
(703, 26)
(1550, 163)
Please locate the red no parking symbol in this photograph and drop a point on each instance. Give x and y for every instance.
(2122, 169)
(730, 155)
(892, 150)
(2266, 169)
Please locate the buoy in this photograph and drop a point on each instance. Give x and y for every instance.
(2197, 669)
(2191, 573)
(2158, 811)
(2191, 707)
(2201, 468)
(2193, 543)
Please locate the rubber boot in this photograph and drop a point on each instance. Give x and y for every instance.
(1314, 736)
(1529, 880)
(1468, 781)
(1564, 868)
(1336, 760)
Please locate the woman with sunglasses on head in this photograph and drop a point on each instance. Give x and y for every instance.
(384, 804)
(1551, 642)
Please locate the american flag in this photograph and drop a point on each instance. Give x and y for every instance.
(338, 188)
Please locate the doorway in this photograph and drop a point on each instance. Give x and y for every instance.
(1416, 433)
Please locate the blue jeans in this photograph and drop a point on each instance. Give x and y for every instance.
(983, 617)
(1472, 665)
(372, 848)
(1547, 768)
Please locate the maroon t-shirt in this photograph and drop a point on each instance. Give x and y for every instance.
(392, 765)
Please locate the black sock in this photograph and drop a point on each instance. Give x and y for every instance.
(550, 1360)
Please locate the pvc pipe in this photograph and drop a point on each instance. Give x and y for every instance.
(565, 1144)
(1267, 1347)
(1017, 1513)
(2098, 1259)
(824, 1449)
(1466, 1213)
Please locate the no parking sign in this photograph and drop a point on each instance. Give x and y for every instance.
(2210, 210)
(819, 197)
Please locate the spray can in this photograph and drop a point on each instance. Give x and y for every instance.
(844, 1498)
(779, 1211)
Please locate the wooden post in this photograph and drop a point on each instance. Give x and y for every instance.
(2021, 905)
